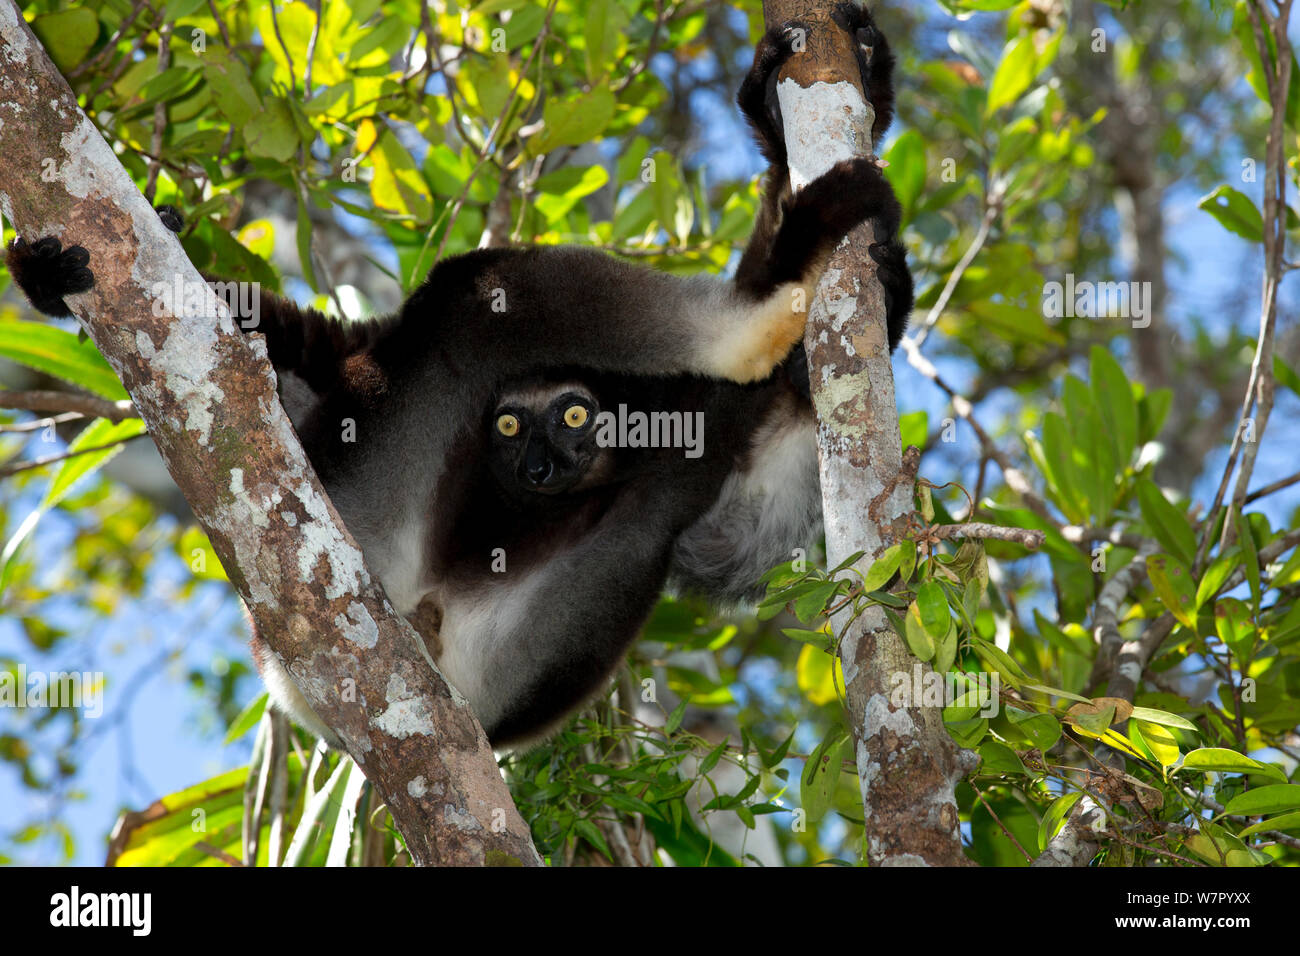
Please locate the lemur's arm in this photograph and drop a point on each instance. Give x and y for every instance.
(759, 103)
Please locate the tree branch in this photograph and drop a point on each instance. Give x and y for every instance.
(908, 763)
(91, 406)
(207, 395)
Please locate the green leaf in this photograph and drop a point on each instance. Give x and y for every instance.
(1246, 541)
(883, 568)
(1115, 401)
(817, 638)
(67, 35)
(1153, 409)
(918, 639)
(711, 761)
(1014, 74)
(968, 733)
(906, 173)
(397, 185)
(588, 831)
(573, 120)
(908, 564)
(1055, 816)
(321, 813)
(1043, 730)
(1274, 798)
(945, 652)
(1221, 760)
(246, 720)
(1218, 847)
(1235, 212)
(233, 92)
(932, 604)
(559, 191)
(821, 774)
(1158, 741)
(1164, 718)
(1054, 692)
(1167, 523)
(1063, 478)
(853, 558)
(999, 758)
(603, 24)
(1000, 661)
(675, 718)
(1173, 585)
(813, 604)
(818, 675)
(302, 240)
(59, 353)
(1235, 625)
(1287, 821)
(1214, 576)
(1286, 374)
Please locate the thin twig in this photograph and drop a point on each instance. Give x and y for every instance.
(992, 208)
(311, 50)
(159, 112)
(16, 467)
(1015, 478)
(48, 400)
(40, 424)
(275, 23)
(1030, 538)
(1275, 486)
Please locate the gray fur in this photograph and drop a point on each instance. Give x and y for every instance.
(766, 510)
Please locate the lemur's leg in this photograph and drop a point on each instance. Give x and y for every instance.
(761, 107)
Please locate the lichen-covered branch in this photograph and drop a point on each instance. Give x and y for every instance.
(207, 394)
(908, 764)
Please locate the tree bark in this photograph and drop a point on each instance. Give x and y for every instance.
(207, 394)
(908, 764)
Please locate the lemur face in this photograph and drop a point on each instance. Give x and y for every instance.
(544, 439)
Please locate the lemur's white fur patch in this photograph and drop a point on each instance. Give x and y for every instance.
(753, 338)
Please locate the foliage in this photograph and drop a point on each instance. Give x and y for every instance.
(414, 129)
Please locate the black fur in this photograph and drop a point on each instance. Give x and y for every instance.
(412, 476)
(46, 272)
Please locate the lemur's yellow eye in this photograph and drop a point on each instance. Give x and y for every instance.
(575, 416)
(508, 425)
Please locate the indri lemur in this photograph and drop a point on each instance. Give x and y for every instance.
(474, 486)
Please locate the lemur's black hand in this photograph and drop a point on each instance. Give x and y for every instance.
(896, 280)
(46, 272)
